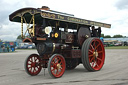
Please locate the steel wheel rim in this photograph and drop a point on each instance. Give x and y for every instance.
(57, 66)
(33, 65)
(96, 54)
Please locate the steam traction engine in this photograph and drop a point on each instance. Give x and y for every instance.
(62, 41)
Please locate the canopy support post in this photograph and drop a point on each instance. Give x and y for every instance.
(33, 25)
(21, 27)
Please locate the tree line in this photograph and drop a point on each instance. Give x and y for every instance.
(115, 36)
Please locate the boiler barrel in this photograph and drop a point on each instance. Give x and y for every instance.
(48, 48)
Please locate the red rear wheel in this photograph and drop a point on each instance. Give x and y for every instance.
(32, 65)
(56, 65)
(93, 54)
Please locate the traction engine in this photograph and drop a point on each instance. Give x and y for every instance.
(62, 41)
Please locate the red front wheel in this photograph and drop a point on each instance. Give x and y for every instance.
(93, 54)
(33, 65)
(56, 66)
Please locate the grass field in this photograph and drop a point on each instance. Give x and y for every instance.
(117, 47)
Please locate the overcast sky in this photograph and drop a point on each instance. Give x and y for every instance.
(114, 12)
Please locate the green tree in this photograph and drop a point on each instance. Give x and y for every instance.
(117, 36)
(19, 37)
(0, 40)
(107, 36)
(102, 35)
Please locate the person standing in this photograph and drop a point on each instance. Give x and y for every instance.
(94, 32)
(8, 48)
(3, 48)
(99, 32)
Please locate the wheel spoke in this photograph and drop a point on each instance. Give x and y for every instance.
(53, 69)
(30, 60)
(29, 67)
(97, 46)
(90, 51)
(100, 51)
(94, 44)
(52, 63)
(29, 64)
(38, 67)
(92, 64)
(97, 64)
(57, 61)
(38, 64)
(61, 66)
(57, 72)
(92, 59)
(34, 69)
(92, 48)
(91, 55)
(60, 62)
(99, 59)
(36, 59)
(33, 59)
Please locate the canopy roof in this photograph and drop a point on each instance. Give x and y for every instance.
(39, 15)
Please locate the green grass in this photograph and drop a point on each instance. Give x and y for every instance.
(117, 47)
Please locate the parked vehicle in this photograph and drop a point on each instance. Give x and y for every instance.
(106, 44)
(118, 44)
(125, 43)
